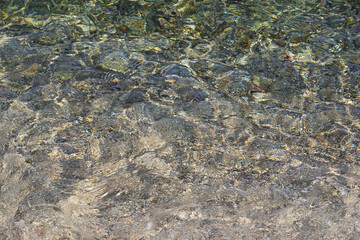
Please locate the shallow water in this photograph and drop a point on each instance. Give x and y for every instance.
(179, 119)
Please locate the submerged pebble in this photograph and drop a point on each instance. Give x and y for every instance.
(140, 119)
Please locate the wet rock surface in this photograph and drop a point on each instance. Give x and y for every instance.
(216, 120)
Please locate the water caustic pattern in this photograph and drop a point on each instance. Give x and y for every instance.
(179, 119)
